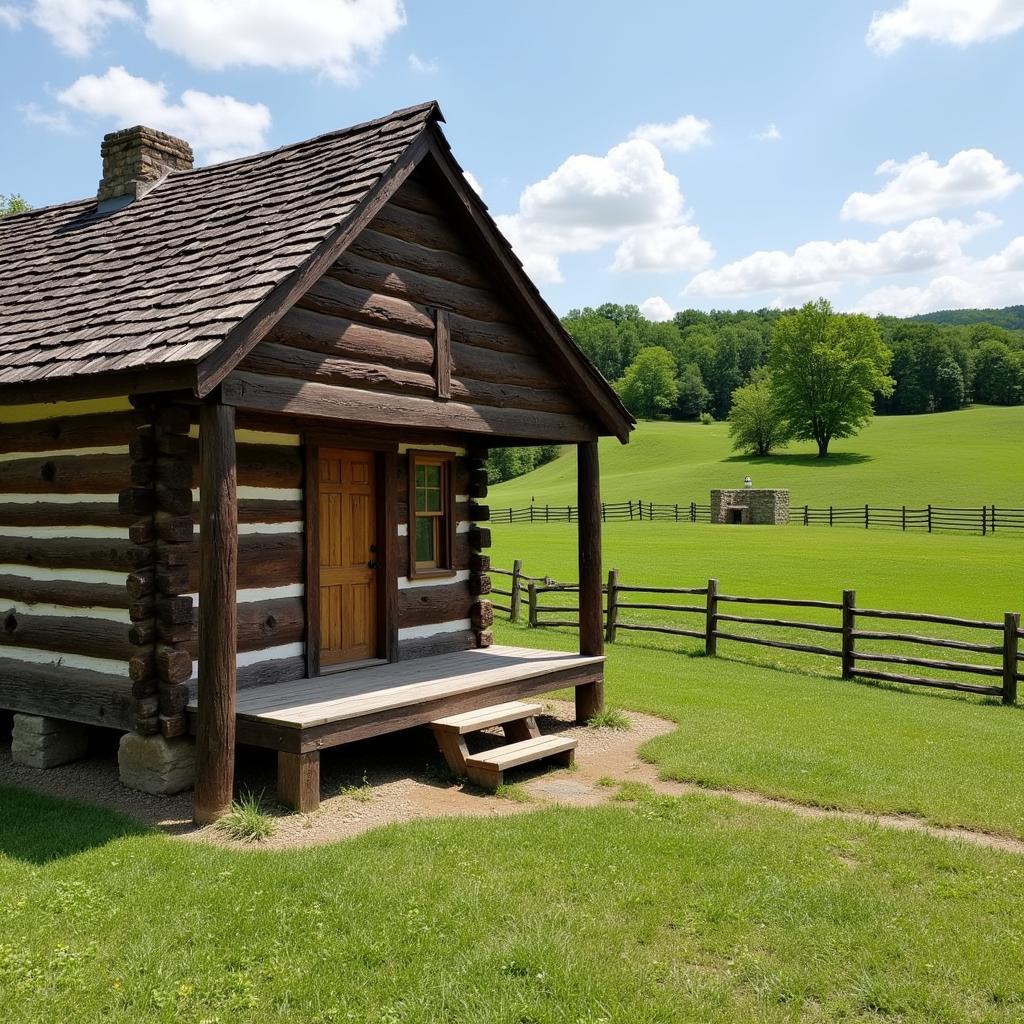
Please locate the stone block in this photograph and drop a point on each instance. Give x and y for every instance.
(155, 764)
(41, 742)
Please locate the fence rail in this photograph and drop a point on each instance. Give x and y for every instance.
(983, 519)
(1005, 658)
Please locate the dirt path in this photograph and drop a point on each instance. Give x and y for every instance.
(402, 778)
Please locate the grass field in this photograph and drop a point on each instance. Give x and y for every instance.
(970, 457)
(783, 723)
(654, 909)
(664, 910)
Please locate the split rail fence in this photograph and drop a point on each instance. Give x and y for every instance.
(711, 616)
(983, 519)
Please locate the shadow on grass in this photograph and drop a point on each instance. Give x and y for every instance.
(807, 460)
(40, 829)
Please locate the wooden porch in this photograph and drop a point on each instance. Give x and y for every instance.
(300, 718)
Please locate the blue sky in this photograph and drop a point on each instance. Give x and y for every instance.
(727, 155)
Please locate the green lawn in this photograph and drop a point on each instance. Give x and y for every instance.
(694, 909)
(783, 723)
(970, 457)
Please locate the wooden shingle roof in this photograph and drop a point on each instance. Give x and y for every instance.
(184, 281)
(165, 279)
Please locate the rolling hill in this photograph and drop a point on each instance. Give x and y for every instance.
(970, 457)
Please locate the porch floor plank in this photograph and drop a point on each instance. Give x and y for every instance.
(308, 703)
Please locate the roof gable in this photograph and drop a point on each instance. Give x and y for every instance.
(196, 273)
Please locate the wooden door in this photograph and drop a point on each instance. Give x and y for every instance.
(347, 556)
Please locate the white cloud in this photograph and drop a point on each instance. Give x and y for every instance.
(74, 26)
(57, 121)
(473, 183)
(770, 134)
(10, 17)
(218, 127)
(960, 22)
(335, 37)
(626, 197)
(686, 133)
(678, 247)
(657, 309)
(541, 266)
(997, 280)
(922, 245)
(921, 186)
(421, 66)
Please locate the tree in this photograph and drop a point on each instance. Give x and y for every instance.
(12, 203)
(949, 385)
(757, 420)
(998, 374)
(649, 387)
(694, 398)
(826, 369)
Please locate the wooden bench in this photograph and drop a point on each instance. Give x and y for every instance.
(517, 719)
(487, 770)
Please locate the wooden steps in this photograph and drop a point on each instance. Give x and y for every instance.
(486, 718)
(524, 742)
(488, 769)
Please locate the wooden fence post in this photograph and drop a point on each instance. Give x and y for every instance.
(849, 625)
(613, 606)
(532, 611)
(515, 603)
(711, 620)
(929, 519)
(1011, 646)
(993, 520)
(867, 516)
(807, 515)
(830, 515)
(984, 520)
(904, 520)
(693, 511)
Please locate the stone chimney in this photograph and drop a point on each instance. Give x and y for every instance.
(134, 160)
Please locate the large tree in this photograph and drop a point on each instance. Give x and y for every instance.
(757, 419)
(649, 387)
(826, 369)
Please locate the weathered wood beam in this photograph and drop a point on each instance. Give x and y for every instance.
(218, 611)
(589, 698)
(283, 395)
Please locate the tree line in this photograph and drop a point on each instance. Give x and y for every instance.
(705, 356)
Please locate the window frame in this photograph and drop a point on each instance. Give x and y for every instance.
(445, 519)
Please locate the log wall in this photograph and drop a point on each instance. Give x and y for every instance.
(66, 617)
(371, 326)
(271, 553)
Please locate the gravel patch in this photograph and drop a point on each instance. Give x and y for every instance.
(383, 781)
(402, 777)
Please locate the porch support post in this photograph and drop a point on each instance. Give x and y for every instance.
(589, 697)
(218, 612)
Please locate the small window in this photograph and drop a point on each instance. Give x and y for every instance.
(430, 514)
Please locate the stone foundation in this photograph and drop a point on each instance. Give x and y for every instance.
(756, 506)
(154, 764)
(47, 742)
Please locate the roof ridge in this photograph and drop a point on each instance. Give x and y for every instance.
(427, 107)
(337, 133)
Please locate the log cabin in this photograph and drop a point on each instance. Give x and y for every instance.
(244, 416)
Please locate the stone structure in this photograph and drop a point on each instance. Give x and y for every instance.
(135, 159)
(155, 764)
(757, 506)
(41, 742)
